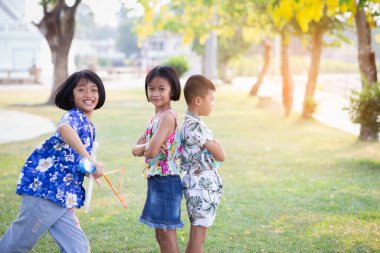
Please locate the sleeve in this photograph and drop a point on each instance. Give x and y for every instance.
(70, 118)
(201, 135)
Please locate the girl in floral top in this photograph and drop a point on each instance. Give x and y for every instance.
(161, 146)
(50, 182)
(202, 186)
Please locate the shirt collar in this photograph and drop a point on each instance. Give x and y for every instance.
(192, 116)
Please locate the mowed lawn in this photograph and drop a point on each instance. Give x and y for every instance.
(289, 185)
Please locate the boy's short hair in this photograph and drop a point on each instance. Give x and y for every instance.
(168, 73)
(197, 86)
(64, 97)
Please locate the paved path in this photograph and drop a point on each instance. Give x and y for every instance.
(16, 126)
(331, 96)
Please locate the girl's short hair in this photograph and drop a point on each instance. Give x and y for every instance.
(64, 97)
(197, 86)
(168, 73)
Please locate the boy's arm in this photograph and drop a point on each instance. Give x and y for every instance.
(139, 148)
(71, 137)
(216, 150)
(165, 127)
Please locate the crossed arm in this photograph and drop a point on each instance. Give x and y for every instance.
(216, 150)
(152, 148)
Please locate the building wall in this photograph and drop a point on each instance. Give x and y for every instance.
(161, 46)
(20, 42)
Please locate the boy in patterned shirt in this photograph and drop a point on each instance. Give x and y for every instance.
(200, 159)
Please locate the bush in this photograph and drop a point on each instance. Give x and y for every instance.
(364, 108)
(310, 108)
(179, 63)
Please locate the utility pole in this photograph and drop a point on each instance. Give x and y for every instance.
(211, 57)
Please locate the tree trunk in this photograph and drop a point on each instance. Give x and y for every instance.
(287, 80)
(60, 71)
(225, 75)
(58, 27)
(264, 69)
(316, 50)
(367, 64)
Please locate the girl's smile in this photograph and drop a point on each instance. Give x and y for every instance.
(159, 93)
(86, 97)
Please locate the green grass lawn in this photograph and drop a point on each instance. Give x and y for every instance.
(289, 185)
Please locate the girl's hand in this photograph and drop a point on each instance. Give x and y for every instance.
(163, 148)
(99, 171)
(139, 148)
(146, 149)
(141, 139)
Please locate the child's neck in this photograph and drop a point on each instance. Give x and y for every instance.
(162, 108)
(193, 111)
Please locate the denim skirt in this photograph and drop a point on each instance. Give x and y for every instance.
(163, 203)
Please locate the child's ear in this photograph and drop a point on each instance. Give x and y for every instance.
(197, 100)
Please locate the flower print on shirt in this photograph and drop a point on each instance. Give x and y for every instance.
(59, 146)
(40, 145)
(35, 185)
(87, 143)
(196, 161)
(70, 158)
(165, 162)
(53, 176)
(45, 164)
(19, 178)
(68, 178)
(71, 200)
(59, 195)
(51, 171)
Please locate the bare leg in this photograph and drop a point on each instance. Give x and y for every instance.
(196, 239)
(157, 237)
(167, 239)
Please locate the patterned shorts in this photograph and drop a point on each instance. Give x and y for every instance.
(202, 205)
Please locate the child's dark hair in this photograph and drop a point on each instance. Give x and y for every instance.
(168, 73)
(64, 95)
(197, 86)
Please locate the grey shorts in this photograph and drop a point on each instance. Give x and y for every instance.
(35, 217)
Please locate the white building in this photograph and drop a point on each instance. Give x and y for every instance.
(21, 45)
(97, 49)
(161, 46)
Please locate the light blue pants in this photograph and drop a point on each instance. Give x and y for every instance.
(35, 217)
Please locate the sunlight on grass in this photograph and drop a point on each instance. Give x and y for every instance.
(289, 185)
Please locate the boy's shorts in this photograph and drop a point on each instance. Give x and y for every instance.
(202, 202)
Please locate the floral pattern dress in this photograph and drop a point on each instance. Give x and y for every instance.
(202, 184)
(164, 163)
(51, 172)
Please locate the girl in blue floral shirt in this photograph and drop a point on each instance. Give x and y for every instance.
(50, 182)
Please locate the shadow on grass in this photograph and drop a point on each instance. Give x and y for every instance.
(362, 164)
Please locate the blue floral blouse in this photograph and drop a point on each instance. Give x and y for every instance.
(51, 172)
